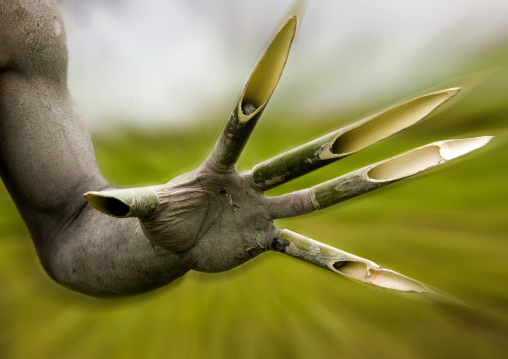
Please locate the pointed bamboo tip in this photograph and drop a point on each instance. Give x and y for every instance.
(453, 91)
(292, 21)
(384, 124)
(388, 279)
(423, 158)
(442, 96)
(266, 74)
(452, 149)
(370, 273)
(448, 92)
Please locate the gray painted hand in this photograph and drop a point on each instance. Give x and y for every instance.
(211, 219)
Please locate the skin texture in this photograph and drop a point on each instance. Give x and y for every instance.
(216, 219)
(47, 162)
(211, 219)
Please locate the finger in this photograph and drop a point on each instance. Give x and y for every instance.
(343, 263)
(291, 205)
(130, 202)
(347, 140)
(392, 170)
(254, 98)
(372, 177)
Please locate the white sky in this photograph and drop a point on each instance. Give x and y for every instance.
(175, 61)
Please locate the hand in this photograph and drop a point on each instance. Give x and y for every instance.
(215, 218)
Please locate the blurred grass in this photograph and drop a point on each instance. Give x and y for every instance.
(448, 229)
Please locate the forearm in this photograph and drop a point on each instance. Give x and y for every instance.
(47, 163)
(105, 256)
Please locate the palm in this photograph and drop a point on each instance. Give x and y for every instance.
(215, 220)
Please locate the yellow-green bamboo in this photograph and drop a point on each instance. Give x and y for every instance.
(346, 264)
(392, 170)
(347, 140)
(131, 202)
(255, 96)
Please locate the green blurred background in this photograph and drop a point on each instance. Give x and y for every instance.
(447, 228)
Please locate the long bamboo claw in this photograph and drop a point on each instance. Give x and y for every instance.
(391, 170)
(347, 140)
(130, 202)
(371, 177)
(254, 98)
(346, 264)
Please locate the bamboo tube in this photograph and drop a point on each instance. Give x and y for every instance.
(347, 140)
(346, 264)
(131, 202)
(391, 170)
(255, 96)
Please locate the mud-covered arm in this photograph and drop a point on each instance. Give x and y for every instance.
(47, 162)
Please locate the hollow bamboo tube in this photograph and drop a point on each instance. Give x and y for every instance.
(346, 264)
(391, 170)
(255, 96)
(347, 140)
(131, 202)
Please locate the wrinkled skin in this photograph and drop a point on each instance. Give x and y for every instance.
(209, 220)
(47, 162)
(213, 219)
